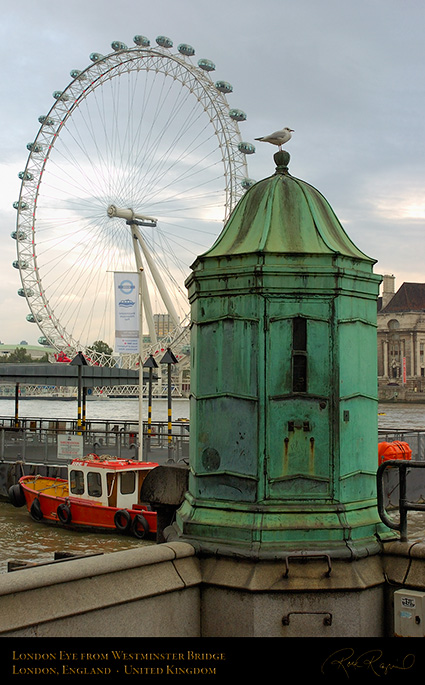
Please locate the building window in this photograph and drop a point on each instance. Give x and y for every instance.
(299, 355)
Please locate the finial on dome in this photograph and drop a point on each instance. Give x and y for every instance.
(281, 159)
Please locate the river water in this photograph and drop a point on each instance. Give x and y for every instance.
(24, 540)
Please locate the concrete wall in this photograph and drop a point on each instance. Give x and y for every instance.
(146, 592)
(167, 591)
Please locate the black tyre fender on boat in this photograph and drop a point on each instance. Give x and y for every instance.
(64, 513)
(140, 526)
(35, 511)
(16, 495)
(122, 520)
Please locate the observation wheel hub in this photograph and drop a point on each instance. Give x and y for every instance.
(130, 216)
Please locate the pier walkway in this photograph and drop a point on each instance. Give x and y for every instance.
(36, 440)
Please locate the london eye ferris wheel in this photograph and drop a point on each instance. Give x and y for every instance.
(144, 131)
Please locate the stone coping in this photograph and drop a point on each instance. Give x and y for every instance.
(77, 569)
(410, 548)
(45, 594)
(404, 564)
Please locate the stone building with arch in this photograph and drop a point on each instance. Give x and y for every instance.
(401, 341)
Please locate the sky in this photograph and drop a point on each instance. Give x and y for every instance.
(347, 76)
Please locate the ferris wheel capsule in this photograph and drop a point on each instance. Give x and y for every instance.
(26, 176)
(224, 87)
(164, 42)
(246, 148)
(31, 318)
(20, 264)
(34, 147)
(142, 41)
(25, 292)
(77, 73)
(237, 115)
(118, 45)
(23, 206)
(18, 235)
(96, 56)
(206, 65)
(47, 121)
(186, 49)
(60, 95)
(247, 183)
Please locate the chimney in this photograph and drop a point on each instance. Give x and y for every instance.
(388, 289)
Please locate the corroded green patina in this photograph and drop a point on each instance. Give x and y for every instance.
(282, 214)
(283, 451)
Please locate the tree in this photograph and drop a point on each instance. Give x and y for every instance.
(101, 347)
(19, 356)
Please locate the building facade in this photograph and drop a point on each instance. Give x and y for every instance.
(401, 341)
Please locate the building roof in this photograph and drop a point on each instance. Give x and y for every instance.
(282, 214)
(410, 297)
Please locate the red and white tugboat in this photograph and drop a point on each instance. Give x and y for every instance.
(101, 492)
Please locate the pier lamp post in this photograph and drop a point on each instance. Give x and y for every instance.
(150, 364)
(16, 405)
(169, 359)
(79, 361)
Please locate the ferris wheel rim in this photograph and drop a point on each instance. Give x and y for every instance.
(225, 128)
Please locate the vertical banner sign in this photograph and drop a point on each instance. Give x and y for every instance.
(404, 370)
(127, 312)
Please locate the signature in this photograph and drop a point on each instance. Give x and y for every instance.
(346, 660)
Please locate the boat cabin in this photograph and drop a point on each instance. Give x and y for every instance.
(108, 481)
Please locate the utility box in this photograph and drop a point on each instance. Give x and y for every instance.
(409, 613)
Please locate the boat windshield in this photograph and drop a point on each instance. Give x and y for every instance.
(94, 484)
(76, 481)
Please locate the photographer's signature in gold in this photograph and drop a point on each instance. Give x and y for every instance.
(346, 660)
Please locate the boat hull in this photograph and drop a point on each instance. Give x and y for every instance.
(48, 501)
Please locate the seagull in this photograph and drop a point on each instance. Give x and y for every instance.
(278, 137)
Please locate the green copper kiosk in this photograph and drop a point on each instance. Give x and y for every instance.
(283, 434)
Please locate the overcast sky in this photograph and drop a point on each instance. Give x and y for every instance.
(347, 76)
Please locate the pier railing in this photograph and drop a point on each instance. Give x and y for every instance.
(405, 503)
(36, 440)
(414, 438)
